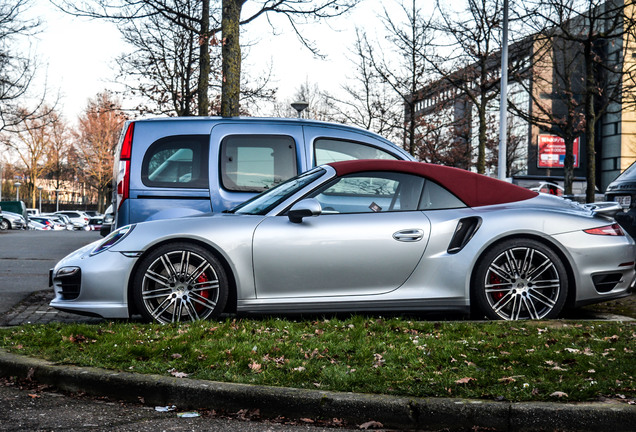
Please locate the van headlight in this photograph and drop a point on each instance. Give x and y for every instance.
(112, 239)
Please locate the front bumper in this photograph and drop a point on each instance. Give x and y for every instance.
(99, 287)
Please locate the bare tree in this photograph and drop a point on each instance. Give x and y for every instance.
(30, 141)
(163, 64)
(58, 166)
(466, 56)
(17, 68)
(603, 34)
(97, 136)
(399, 62)
(367, 101)
(207, 20)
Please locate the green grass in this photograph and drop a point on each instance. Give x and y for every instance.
(517, 361)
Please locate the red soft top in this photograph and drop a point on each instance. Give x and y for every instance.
(473, 189)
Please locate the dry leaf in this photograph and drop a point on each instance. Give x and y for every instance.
(465, 380)
(559, 394)
(371, 425)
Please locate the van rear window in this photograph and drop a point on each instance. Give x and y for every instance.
(177, 161)
(254, 163)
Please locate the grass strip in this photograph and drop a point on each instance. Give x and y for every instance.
(515, 361)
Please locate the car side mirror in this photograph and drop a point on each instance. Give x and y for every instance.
(304, 208)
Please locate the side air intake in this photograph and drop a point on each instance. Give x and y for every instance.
(466, 229)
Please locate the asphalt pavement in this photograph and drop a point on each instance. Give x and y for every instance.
(24, 264)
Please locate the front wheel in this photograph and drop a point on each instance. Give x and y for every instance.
(180, 282)
(4, 225)
(520, 279)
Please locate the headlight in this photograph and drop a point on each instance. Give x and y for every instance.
(113, 238)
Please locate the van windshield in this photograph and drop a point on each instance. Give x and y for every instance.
(628, 174)
(261, 204)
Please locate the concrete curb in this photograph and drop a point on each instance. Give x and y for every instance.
(392, 412)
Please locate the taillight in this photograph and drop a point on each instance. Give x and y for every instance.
(610, 230)
(123, 174)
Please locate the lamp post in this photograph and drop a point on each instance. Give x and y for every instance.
(57, 200)
(503, 107)
(40, 206)
(17, 190)
(300, 106)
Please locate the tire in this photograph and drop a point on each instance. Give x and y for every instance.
(520, 279)
(180, 282)
(5, 225)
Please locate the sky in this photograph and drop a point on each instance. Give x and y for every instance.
(77, 55)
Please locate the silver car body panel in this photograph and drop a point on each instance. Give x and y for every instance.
(355, 262)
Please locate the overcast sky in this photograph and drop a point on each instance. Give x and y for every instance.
(77, 55)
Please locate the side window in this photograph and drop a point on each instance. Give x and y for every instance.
(254, 163)
(177, 161)
(330, 150)
(372, 192)
(435, 197)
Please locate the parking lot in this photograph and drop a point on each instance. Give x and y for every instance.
(27, 256)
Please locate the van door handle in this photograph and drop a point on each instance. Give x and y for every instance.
(409, 235)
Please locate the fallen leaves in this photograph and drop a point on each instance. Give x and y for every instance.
(559, 394)
(465, 380)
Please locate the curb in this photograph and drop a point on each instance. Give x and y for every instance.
(391, 411)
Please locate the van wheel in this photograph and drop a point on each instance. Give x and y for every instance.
(180, 282)
(520, 279)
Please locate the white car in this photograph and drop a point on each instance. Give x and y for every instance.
(78, 219)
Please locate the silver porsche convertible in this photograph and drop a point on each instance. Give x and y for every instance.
(360, 236)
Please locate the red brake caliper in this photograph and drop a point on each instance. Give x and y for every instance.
(494, 279)
(205, 293)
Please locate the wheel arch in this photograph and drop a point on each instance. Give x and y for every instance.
(232, 292)
(554, 246)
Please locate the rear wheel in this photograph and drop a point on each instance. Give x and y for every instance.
(180, 282)
(520, 279)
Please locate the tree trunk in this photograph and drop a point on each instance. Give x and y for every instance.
(568, 165)
(590, 121)
(481, 153)
(204, 60)
(231, 53)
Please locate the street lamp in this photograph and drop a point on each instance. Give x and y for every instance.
(57, 200)
(40, 206)
(300, 107)
(17, 190)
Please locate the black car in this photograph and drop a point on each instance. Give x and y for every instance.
(623, 191)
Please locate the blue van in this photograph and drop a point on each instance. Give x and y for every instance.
(173, 167)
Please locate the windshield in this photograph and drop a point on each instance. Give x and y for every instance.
(261, 204)
(628, 174)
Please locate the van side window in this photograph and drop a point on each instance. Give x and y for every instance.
(254, 163)
(177, 161)
(331, 150)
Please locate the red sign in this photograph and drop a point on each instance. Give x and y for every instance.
(552, 152)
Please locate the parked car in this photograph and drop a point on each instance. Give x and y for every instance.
(55, 224)
(95, 223)
(33, 211)
(172, 167)
(554, 185)
(623, 191)
(78, 219)
(17, 207)
(12, 220)
(92, 213)
(39, 226)
(360, 236)
(107, 222)
(63, 219)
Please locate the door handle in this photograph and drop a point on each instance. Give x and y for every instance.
(409, 235)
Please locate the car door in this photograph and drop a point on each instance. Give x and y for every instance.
(367, 241)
